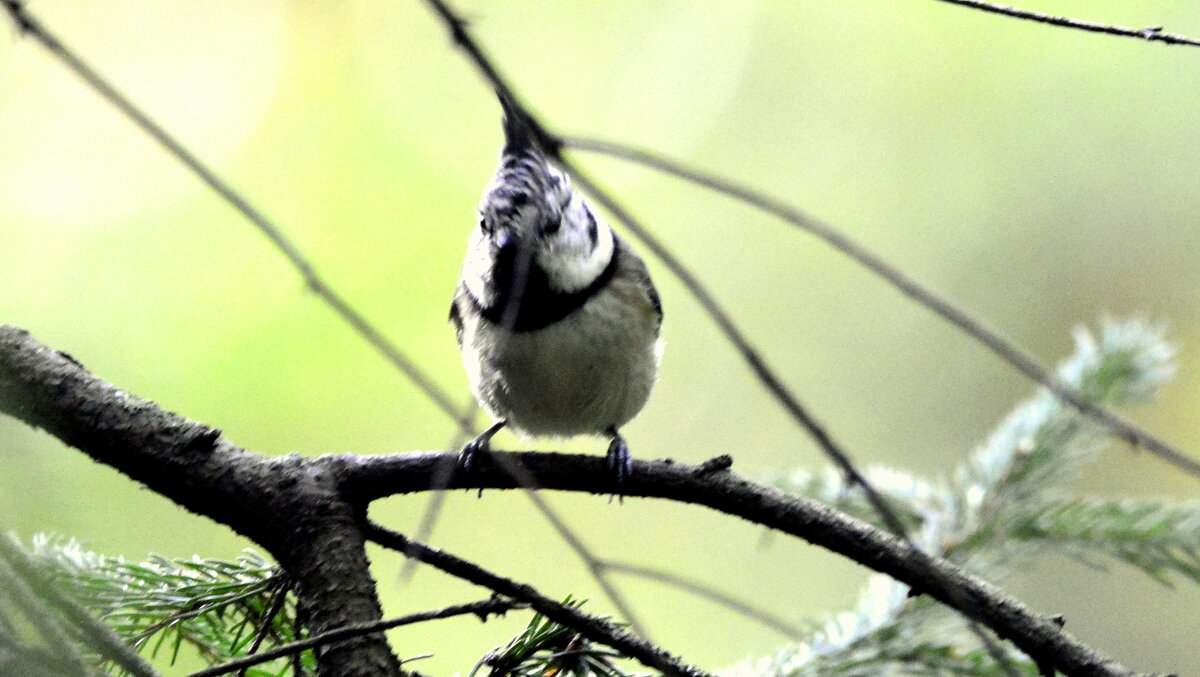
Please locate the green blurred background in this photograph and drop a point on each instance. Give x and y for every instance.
(1041, 177)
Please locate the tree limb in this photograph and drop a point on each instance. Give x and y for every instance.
(367, 478)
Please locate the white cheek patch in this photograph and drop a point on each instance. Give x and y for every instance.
(572, 264)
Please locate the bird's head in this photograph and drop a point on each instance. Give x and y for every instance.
(534, 229)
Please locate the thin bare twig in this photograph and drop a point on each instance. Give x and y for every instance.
(595, 567)
(989, 338)
(30, 26)
(1150, 34)
(766, 375)
(437, 489)
(442, 478)
(268, 620)
(483, 609)
(592, 627)
(741, 607)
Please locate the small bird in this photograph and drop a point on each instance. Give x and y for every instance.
(557, 318)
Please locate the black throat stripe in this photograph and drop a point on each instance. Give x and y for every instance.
(538, 305)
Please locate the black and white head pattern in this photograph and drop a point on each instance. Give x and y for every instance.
(538, 251)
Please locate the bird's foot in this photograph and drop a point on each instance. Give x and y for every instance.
(469, 455)
(620, 463)
(476, 450)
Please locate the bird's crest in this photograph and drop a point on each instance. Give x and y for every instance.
(519, 136)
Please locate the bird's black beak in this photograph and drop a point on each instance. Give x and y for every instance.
(507, 244)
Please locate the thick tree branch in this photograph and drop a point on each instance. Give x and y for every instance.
(367, 478)
(287, 505)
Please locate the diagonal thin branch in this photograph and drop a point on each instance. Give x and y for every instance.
(279, 599)
(758, 364)
(437, 493)
(592, 627)
(552, 144)
(989, 338)
(743, 608)
(28, 25)
(483, 609)
(1150, 34)
(593, 564)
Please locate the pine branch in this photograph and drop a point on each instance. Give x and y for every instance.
(52, 638)
(85, 628)
(1043, 446)
(546, 647)
(994, 509)
(212, 606)
(1156, 536)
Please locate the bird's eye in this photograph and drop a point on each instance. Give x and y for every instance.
(551, 226)
(483, 226)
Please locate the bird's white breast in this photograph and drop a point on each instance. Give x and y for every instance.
(587, 373)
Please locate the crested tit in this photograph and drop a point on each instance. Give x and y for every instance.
(557, 318)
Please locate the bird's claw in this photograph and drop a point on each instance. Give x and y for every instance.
(478, 448)
(468, 458)
(620, 463)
